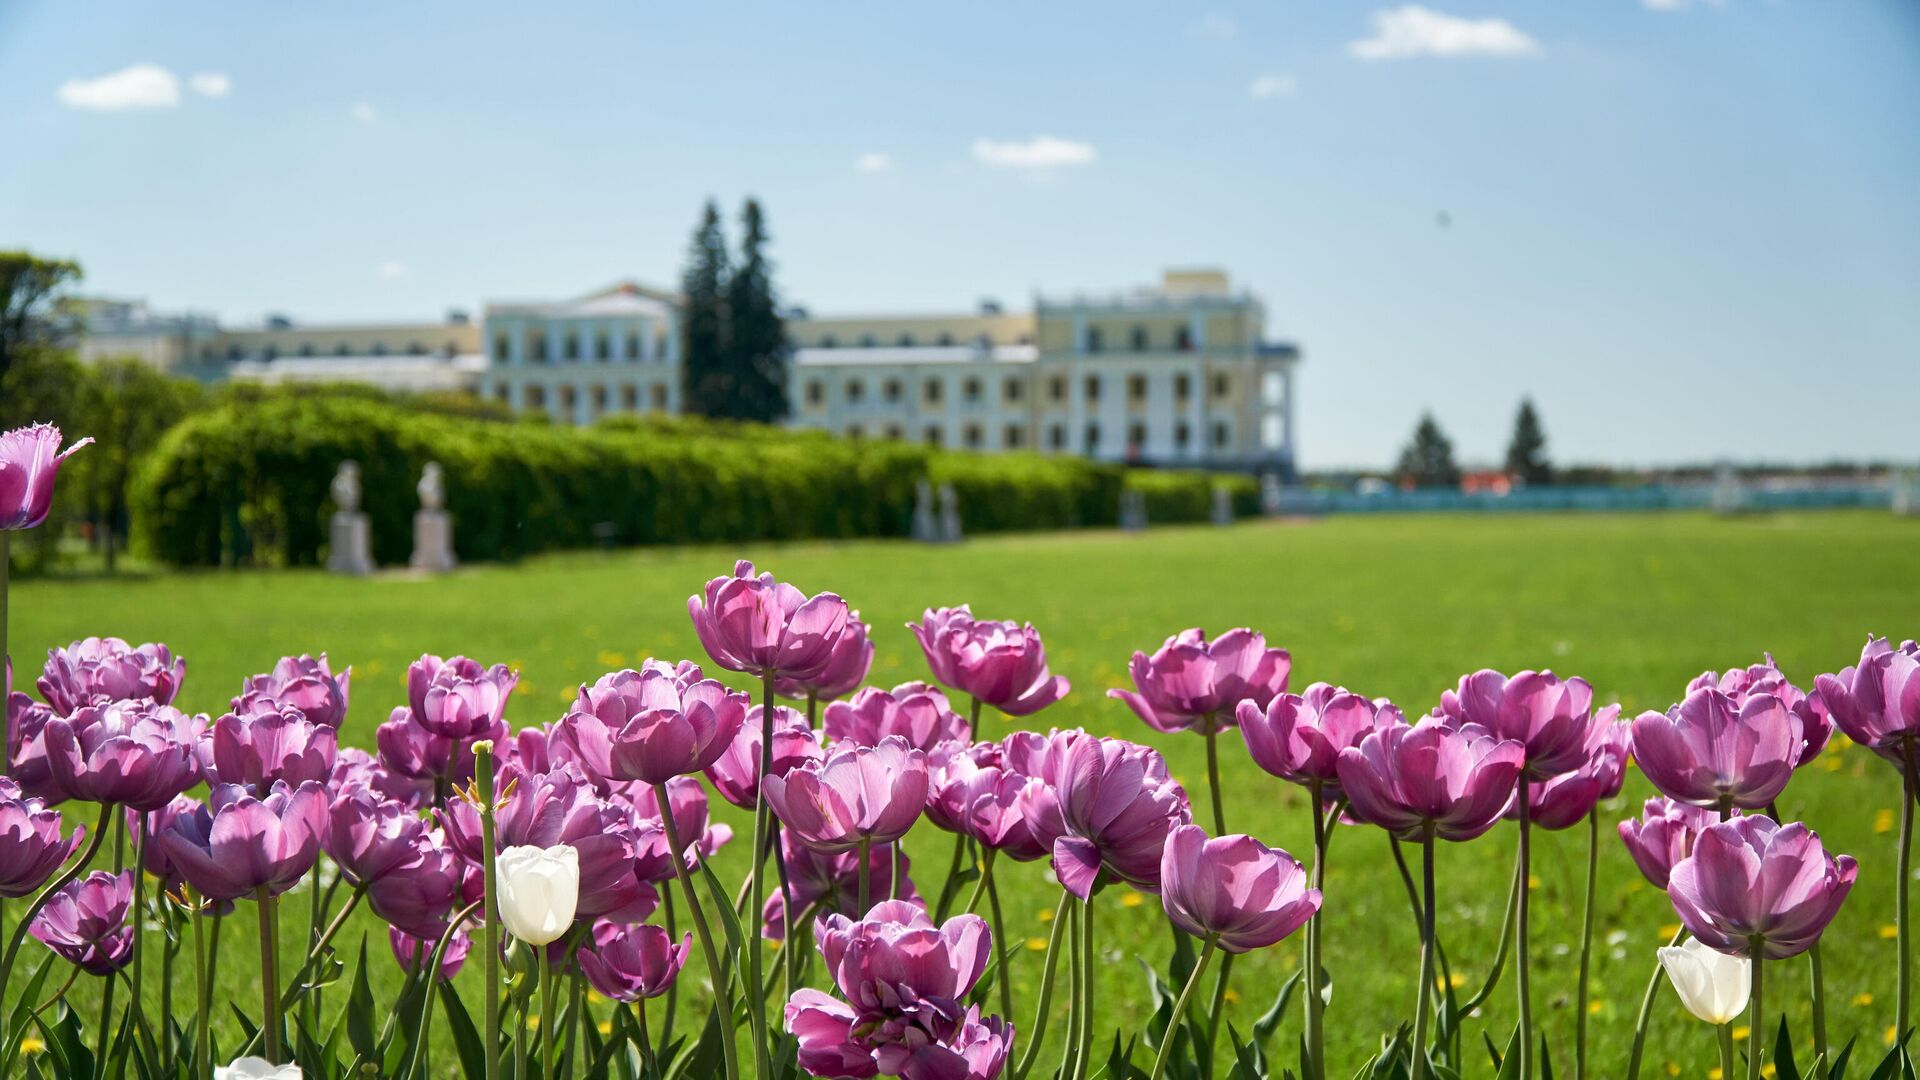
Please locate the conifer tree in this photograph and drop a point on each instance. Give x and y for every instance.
(1527, 452)
(757, 338)
(1427, 461)
(709, 381)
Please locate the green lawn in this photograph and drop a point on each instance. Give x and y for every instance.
(1393, 606)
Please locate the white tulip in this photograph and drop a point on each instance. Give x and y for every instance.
(253, 1068)
(539, 889)
(1712, 985)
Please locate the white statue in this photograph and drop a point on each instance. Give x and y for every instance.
(432, 525)
(346, 487)
(350, 550)
(433, 488)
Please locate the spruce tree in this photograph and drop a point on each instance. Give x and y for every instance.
(757, 338)
(1427, 461)
(709, 383)
(1527, 453)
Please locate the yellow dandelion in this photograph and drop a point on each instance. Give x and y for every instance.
(1883, 821)
(31, 1045)
(1457, 981)
(1533, 882)
(1669, 930)
(1887, 1037)
(375, 667)
(527, 688)
(1636, 885)
(1130, 899)
(534, 1022)
(1046, 916)
(1715, 1074)
(1832, 762)
(1673, 1068)
(605, 1026)
(1232, 996)
(1740, 1033)
(610, 659)
(566, 696)
(1037, 944)
(1863, 999)
(1889, 932)
(1767, 1070)
(1594, 1007)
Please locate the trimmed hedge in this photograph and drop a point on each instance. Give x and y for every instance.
(249, 482)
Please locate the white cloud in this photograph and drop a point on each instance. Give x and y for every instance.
(1677, 5)
(1213, 27)
(873, 161)
(142, 86)
(210, 83)
(1273, 85)
(391, 269)
(365, 112)
(1402, 33)
(1039, 152)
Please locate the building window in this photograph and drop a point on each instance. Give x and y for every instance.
(536, 397)
(854, 431)
(1057, 389)
(1015, 389)
(633, 346)
(1136, 388)
(868, 341)
(1093, 339)
(1136, 436)
(537, 348)
(447, 350)
(973, 436)
(1057, 437)
(1220, 436)
(630, 397)
(945, 338)
(828, 341)
(1182, 387)
(567, 397)
(1139, 339)
(342, 350)
(306, 348)
(602, 347)
(500, 347)
(1093, 388)
(1016, 436)
(933, 435)
(1093, 437)
(414, 348)
(500, 391)
(971, 389)
(270, 353)
(893, 432)
(572, 346)
(658, 393)
(816, 391)
(1183, 338)
(660, 346)
(892, 390)
(379, 348)
(1182, 435)
(1222, 385)
(855, 390)
(905, 341)
(931, 392)
(599, 399)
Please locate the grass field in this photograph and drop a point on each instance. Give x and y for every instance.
(1393, 606)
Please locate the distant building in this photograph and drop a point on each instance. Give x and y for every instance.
(1176, 374)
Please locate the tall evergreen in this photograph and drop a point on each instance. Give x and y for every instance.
(1427, 461)
(710, 383)
(1527, 453)
(757, 339)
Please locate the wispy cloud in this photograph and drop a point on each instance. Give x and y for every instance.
(1039, 152)
(1272, 85)
(1213, 27)
(873, 161)
(1410, 31)
(391, 269)
(214, 84)
(365, 112)
(141, 86)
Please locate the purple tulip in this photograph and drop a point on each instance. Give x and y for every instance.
(758, 625)
(700, 839)
(134, 753)
(421, 896)
(154, 859)
(267, 742)
(1816, 726)
(26, 746)
(628, 963)
(1454, 781)
(409, 749)
(238, 843)
(1549, 718)
(1234, 889)
(457, 698)
(1712, 751)
(303, 683)
(30, 845)
(846, 669)
(830, 883)
(96, 670)
(561, 807)
(1003, 664)
(735, 774)
(369, 837)
(86, 922)
(969, 795)
(1663, 835)
(854, 796)
(1877, 702)
(1567, 799)
(1191, 683)
(1298, 737)
(915, 711)
(30, 458)
(651, 727)
(1757, 889)
(1107, 816)
(356, 770)
(411, 952)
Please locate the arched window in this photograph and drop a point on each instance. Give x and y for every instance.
(1093, 339)
(1183, 338)
(905, 341)
(1139, 339)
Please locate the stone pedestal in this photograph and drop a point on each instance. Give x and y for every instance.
(432, 542)
(1133, 510)
(350, 550)
(950, 532)
(1222, 505)
(926, 522)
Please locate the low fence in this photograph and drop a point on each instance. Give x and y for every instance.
(1647, 497)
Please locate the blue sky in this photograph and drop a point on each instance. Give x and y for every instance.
(1688, 229)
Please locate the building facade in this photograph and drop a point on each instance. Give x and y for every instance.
(1176, 374)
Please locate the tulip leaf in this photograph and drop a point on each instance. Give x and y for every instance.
(360, 1034)
(1838, 1071)
(467, 1040)
(1785, 1068)
(1546, 1059)
(702, 1058)
(736, 940)
(1508, 1060)
(1895, 1066)
(1269, 1021)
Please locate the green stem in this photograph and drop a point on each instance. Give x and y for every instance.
(490, 900)
(547, 1017)
(1076, 999)
(139, 927)
(269, 972)
(1902, 885)
(1586, 949)
(52, 887)
(576, 1006)
(673, 988)
(1090, 959)
(1726, 1050)
(973, 716)
(757, 1008)
(6, 722)
(430, 971)
(1315, 1034)
(294, 991)
(1000, 940)
(1522, 970)
(863, 894)
(1039, 1026)
(980, 886)
(1426, 958)
(520, 1036)
(1180, 1008)
(646, 1042)
(1646, 1013)
(898, 851)
(949, 886)
(310, 1002)
(106, 1025)
(1487, 988)
(169, 945)
(700, 928)
(1213, 778)
(1819, 1008)
(1757, 1013)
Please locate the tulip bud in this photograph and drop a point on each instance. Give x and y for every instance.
(1712, 985)
(253, 1068)
(539, 889)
